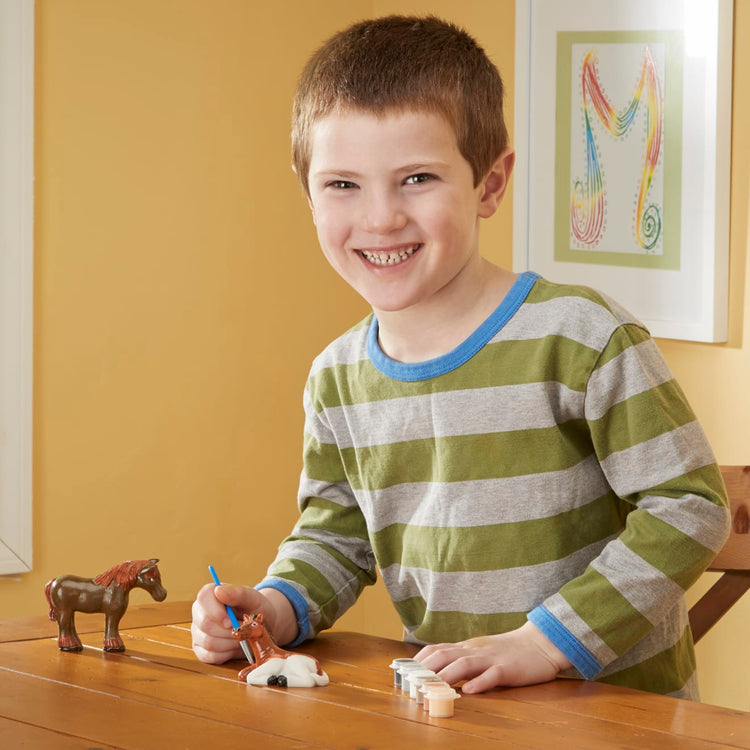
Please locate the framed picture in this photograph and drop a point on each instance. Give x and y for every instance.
(622, 136)
(16, 281)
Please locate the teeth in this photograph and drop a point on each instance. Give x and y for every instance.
(389, 258)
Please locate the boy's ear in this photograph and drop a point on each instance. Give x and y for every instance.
(495, 183)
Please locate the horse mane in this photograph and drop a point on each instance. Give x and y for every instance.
(124, 574)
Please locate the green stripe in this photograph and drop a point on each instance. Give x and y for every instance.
(639, 418)
(317, 585)
(436, 627)
(622, 339)
(545, 291)
(324, 515)
(323, 461)
(704, 481)
(503, 363)
(666, 548)
(465, 457)
(319, 589)
(606, 611)
(497, 546)
(666, 672)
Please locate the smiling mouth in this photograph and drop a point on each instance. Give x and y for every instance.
(389, 257)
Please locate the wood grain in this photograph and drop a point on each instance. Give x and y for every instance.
(156, 695)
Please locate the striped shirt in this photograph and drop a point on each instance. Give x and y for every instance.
(548, 468)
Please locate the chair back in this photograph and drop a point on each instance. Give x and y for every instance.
(733, 559)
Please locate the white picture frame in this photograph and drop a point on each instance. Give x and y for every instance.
(592, 77)
(16, 282)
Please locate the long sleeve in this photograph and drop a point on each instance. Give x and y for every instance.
(326, 562)
(655, 457)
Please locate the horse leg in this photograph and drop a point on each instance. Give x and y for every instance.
(68, 639)
(112, 640)
(243, 673)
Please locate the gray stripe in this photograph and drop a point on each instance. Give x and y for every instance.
(339, 493)
(575, 318)
(467, 412)
(689, 690)
(637, 370)
(346, 588)
(348, 349)
(315, 424)
(578, 627)
(658, 460)
(354, 549)
(487, 592)
(650, 591)
(693, 515)
(484, 502)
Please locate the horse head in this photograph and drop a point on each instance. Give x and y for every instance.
(252, 628)
(149, 578)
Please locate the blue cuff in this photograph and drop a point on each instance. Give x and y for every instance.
(578, 655)
(301, 610)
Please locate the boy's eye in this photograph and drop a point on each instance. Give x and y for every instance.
(416, 179)
(341, 184)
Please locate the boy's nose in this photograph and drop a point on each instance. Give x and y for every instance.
(383, 213)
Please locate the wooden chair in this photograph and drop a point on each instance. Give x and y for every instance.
(733, 560)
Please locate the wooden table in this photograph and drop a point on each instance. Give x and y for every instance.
(157, 695)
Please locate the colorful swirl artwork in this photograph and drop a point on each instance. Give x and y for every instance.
(588, 205)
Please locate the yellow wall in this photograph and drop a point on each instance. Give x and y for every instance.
(180, 295)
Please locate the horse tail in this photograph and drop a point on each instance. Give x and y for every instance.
(52, 610)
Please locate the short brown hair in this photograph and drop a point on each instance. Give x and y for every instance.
(404, 63)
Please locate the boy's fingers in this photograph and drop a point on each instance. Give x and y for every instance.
(490, 678)
(242, 599)
(207, 612)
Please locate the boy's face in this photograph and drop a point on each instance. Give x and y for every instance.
(395, 207)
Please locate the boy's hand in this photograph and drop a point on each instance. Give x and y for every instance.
(212, 628)
(520, 657)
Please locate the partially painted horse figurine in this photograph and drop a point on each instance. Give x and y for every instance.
(273, 664)
(109, 593)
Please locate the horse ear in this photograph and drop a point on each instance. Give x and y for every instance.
(154, 560)
(259, 617)
(246, 618)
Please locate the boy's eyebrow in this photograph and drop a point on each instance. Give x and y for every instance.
(420, 166)
(334, 173)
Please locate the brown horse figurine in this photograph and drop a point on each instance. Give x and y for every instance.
(109, 593)
(273, 664)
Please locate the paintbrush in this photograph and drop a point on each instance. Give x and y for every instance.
(235, 623)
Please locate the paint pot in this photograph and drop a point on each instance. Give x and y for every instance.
(439, 700)
(417, 680)
(405, 670)
(425, 690)
(395, 664)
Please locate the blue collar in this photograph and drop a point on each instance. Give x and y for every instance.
(431, 368)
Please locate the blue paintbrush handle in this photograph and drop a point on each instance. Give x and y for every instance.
(230, 611)
(235, 623)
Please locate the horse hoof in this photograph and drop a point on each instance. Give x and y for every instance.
(114, 645)
(243, 673)
(69, 643)
(282, 680)
(272, 680)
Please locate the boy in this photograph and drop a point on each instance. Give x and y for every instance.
(514, 455)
